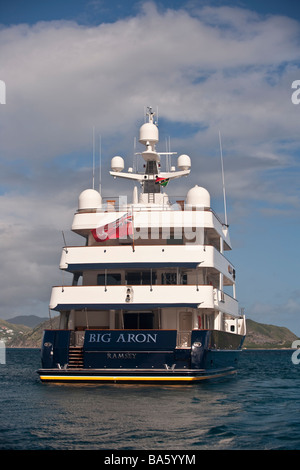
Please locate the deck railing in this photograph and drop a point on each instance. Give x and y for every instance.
(119, 203)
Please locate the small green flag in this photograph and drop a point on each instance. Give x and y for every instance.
(162, 181)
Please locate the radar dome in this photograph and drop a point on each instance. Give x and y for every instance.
(184, 162)
(117, 164)
(148, 133)
(198, 197)
(89, 199)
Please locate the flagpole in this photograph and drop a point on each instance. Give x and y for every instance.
(223, 180)
(93, 157)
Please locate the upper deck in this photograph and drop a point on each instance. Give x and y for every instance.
(83, 258)
(156, 224)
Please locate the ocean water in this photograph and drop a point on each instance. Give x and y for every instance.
(259, 409)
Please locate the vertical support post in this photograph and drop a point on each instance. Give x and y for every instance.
(86, 318)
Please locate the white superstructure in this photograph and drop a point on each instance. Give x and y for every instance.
(168, 271)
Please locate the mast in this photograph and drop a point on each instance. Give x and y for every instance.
(152, 179)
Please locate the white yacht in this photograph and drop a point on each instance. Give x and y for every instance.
(153, 294)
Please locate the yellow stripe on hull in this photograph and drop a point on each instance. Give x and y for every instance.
(57, 378)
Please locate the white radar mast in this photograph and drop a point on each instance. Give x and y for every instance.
(152, 178)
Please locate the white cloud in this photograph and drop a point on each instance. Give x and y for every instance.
(219, 68)
(63, 78)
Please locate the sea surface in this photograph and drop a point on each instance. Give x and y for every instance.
(258, 409)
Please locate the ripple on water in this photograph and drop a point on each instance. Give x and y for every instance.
(258, 409)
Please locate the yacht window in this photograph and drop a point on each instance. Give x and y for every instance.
(134, 278)
(138, 321)
(140, 277)
(110, 279)
(171, 278)
(174, 239)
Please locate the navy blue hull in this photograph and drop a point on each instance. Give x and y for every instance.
(139, 356)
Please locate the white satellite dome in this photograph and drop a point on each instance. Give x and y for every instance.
(198, 197)
(117, 163)
(89, 199)
(184, 162)
(148, 133)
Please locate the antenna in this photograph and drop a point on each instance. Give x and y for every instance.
(65, 244)
(100, 162)
(223, 180)
(167, 166)
(168, 156)
(93, 157)
(134, 155)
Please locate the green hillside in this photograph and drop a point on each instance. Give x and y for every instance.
(24, 336)
(264, 336)
(9, 332)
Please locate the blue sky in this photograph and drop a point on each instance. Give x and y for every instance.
(72, 65)
(93, 12)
